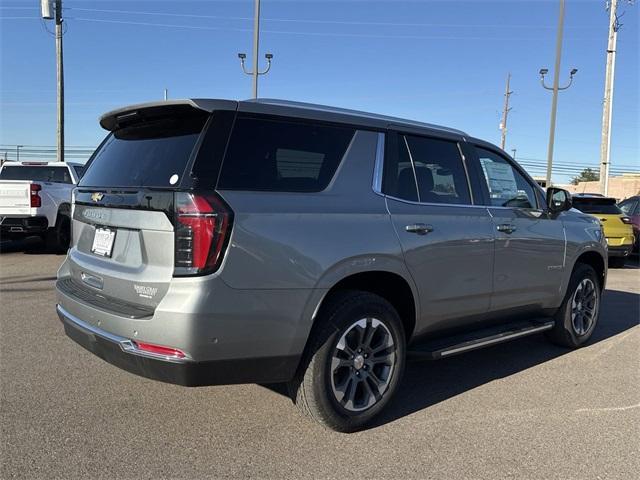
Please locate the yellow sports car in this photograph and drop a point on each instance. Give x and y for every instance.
(616, 225)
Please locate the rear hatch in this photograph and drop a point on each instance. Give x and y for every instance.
(616, 225)
(139, 216)
(15, 197)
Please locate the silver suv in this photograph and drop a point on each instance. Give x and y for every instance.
(218, 242)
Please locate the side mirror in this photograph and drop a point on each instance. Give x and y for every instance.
(558, 200)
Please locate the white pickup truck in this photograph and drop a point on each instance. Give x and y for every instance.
(35, 199)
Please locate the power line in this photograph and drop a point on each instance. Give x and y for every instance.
(315, 21)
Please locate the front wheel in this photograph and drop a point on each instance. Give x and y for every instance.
(577, 317)
(355, 362)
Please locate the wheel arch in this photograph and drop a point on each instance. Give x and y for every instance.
(596, 261)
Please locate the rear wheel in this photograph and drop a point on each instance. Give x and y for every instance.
(58, 237)
(355, 363)
(578, 315)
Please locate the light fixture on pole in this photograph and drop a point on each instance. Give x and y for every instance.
(554, 108)
(555, 88)
(255, 73)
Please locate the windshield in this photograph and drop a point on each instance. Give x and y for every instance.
(152, 154)
(45, 173)
(604, 206)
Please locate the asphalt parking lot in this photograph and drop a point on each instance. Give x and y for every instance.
(526, 409)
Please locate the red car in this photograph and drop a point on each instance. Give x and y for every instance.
(631, 208)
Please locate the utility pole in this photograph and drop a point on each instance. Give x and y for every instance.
(256, 42)
(47, 14)
(166, 94)
(18, 147)
(556, 88)
(255, 73)
(505, 113)
(60, 81)
(607, 107)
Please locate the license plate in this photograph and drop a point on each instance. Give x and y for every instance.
(103, 242)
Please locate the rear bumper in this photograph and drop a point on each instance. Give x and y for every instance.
(23, 225)
(123, 353)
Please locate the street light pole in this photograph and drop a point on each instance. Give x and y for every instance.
(607, 108)
(60, 81)
(256, 42)
(255, 73)
(554, 101)
(18, 147)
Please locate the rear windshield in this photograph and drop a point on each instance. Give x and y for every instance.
(282, 156)
(605, 206)
(36, 174)
(151, 154)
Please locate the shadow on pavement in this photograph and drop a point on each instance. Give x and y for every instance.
(428, 383)
(29, 246)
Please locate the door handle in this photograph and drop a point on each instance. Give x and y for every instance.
(506, 228)
(419, 228)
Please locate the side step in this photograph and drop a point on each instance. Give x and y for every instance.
(449, 346)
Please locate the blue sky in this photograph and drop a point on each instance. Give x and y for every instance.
(442, 62)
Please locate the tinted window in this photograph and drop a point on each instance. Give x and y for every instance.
(628, 207)
(282, 156)
(36, 174)
(606, 206)
(79, 169)
(440, 175)
(151, 154)
(398, 179)
(507, 186)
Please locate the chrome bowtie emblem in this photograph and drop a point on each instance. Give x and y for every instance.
(97, 196)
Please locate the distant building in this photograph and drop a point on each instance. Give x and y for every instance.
(620, 187)
(542, 181)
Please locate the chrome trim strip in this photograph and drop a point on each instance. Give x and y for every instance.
(377, 170)
(522, 333)
(125, 344)
(432, 204)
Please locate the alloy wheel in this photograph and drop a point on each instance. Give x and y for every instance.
(362, 364)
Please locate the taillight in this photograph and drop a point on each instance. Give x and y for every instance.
(160, 350)
(35, 200)
(626, 220)
(203, 224)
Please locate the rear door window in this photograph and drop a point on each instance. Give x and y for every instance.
(282, 156)
(149, 154)
(36, 174)
(425, 170)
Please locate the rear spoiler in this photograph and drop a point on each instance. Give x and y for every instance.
(117, 118)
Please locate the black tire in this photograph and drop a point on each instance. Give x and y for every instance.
(58, 237)
(314, 389)
(567, 332)
(617, 262)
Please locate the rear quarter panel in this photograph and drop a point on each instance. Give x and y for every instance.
(307, 242)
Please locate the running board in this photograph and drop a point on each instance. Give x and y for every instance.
(447, 347)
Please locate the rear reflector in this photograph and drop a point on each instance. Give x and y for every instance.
(160, 350)
(201, 230)
(35, 200)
